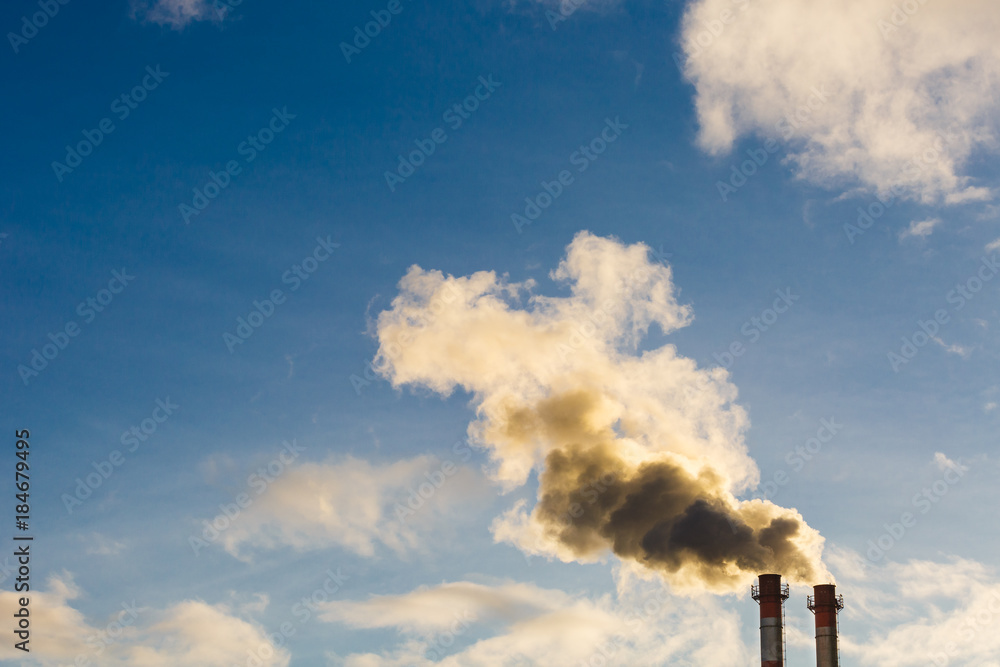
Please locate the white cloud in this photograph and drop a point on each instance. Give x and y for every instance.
(433, 609)
(920, 228)
(855, 104)
(923, 613)
(993, 245)
(97, 544)
(178, 13)
(568, 7)
(350, 504)
(195, 633)
(954, 348)
(517, 623)
(989, 212)
(65, 627)
(191, 633)
(945, 464)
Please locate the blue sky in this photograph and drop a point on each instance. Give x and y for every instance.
(318, 189)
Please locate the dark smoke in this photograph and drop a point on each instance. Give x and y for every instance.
(656, 513)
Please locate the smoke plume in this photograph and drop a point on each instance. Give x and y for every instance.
(639, 453)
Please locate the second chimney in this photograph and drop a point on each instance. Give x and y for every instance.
(825, 604)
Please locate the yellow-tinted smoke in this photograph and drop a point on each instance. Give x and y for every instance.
(639, 453)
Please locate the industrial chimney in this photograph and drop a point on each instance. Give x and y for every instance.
(771, 596)
(825, 604)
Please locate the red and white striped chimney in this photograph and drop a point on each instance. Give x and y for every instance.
(771, 596)
(825, 604)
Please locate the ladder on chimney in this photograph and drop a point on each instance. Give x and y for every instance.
(784, 647)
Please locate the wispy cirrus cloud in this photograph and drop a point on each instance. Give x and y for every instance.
(178, 13)
(953, 348)
(920, 229)
(501, 623)
(351, 504)
(97, 544)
